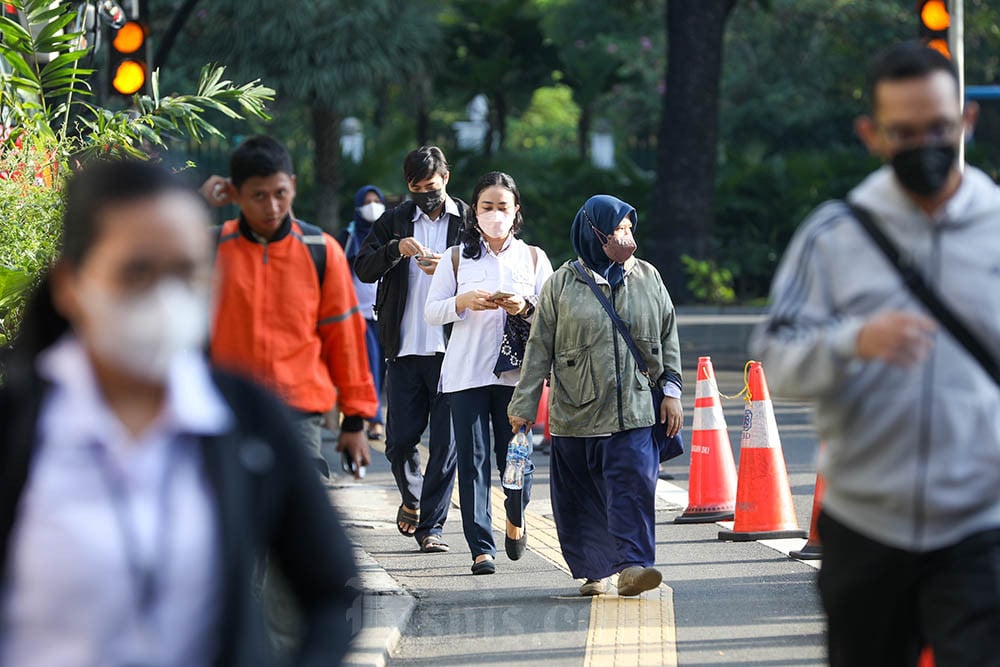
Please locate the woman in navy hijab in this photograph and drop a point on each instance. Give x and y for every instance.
(604, 462)
(369, 205)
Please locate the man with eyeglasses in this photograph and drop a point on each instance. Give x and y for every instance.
(910, 523)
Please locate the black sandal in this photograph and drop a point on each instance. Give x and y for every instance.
(432, 544)
(409, 517)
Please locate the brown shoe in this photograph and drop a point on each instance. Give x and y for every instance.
(634, 580)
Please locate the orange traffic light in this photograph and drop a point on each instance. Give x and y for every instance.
(130, 77)
(935, 19)
(129, 38)
(127, 70)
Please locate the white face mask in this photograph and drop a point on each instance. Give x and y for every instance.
(372, 211)
(495, 224)
(143, 334)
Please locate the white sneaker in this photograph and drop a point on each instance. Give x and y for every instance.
(594, 587)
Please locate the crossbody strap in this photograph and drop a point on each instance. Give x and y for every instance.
(616, 319)
(916, 283)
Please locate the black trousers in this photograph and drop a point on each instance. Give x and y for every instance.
(884, 604)
(413, 401)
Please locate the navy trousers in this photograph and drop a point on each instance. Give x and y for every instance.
(413, 399)
(604, 501)
(376, 362)
(477, 414)
(884, 604)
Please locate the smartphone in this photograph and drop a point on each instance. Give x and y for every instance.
(425, 260)
(499, 296)
(349, 466)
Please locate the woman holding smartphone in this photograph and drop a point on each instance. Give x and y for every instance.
(491, 277)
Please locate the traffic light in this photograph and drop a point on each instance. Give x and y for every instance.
(128, 72)
(935, 20)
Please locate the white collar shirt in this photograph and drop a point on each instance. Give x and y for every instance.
(476, 336)
(416, 337)
(69, 595)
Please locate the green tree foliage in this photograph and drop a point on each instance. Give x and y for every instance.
(612, 59)
(786, 120)
(50, 124)
(498, 49)
(330, 57)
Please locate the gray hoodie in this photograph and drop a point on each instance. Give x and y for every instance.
(912, 456)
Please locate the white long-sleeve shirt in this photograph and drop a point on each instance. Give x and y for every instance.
(476, 336)
(415, 337)
(68, 596)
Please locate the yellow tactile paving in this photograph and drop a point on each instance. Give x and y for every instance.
(623, 631)
(632, 631)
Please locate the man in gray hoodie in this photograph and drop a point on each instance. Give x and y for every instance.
(910, 524)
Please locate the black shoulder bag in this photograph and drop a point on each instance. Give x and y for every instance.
(669, 447)
(915, 282)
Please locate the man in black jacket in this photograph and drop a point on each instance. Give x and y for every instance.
(402, 252)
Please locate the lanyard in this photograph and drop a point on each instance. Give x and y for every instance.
(146, 575)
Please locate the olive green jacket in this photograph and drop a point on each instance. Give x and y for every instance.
(595, 386)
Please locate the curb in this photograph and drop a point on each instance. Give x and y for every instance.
(387, 610)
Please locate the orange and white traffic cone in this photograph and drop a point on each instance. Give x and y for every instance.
(813, 550)
(764, 507)
(712, 476)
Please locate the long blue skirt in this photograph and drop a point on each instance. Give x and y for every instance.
(604, 501)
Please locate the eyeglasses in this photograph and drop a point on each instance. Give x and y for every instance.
(940, 132)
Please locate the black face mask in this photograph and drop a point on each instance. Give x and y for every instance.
(923, 170)
(428, 201)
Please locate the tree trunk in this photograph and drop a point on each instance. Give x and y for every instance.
(684, 194)
(583, 130)
(170, 36)
(423, 115)
(501, 101)
(326, 135)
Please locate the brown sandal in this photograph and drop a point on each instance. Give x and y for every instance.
(408, 517)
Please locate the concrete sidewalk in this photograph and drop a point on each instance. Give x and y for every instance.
(735, 604)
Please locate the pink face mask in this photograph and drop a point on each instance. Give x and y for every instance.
(495, 224)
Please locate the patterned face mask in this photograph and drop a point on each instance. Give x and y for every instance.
(617, 248)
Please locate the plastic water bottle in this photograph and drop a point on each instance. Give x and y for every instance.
(518, 452)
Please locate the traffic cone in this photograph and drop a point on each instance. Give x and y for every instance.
(764, 507)
(813, 550)
(712, 476)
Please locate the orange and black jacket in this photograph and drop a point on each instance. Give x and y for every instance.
(279, 323)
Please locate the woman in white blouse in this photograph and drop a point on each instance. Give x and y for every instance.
(140, 489)
(490, 277)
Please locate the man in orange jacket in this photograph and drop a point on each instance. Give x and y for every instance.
(286, 312)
